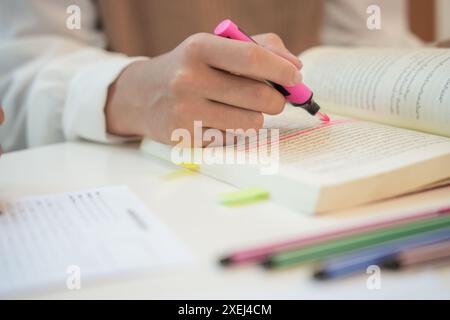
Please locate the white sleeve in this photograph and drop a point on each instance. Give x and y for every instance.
(53, 81)
(345, 23)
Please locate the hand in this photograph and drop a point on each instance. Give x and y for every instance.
(205, 78)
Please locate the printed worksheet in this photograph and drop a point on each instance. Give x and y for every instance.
(62, 240)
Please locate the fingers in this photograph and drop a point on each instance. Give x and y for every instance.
(219, 85)
(242, 92)
(216, 121)
(221, 116)
(209, 137)
(273, 42)
(187, 114)
(243, 58)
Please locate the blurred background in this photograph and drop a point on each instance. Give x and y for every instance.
(429, 19)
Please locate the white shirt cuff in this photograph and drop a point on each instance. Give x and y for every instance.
(84, 115)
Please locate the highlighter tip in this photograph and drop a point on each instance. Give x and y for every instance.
(323, 117)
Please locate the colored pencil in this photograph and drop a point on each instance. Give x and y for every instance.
(433, 253)
(259, 253)
(339, 246)
(380, 255)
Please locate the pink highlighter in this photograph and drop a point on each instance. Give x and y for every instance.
(299, 95)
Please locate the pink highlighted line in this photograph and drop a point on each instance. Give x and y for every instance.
(323, 125)
(304, 132)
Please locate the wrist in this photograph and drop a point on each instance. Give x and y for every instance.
(123, 112)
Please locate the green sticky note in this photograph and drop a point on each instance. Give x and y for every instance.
(243, 196)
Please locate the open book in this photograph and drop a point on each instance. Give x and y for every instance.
(388, 135)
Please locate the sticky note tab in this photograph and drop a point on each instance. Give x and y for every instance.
(179, 173)
(190, 166)
(187, 169)
(243, 196)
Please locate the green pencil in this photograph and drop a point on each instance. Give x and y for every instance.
(337, 246)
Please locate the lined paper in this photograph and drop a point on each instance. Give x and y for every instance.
(100, 232)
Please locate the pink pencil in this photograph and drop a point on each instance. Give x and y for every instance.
(432, 253)
(257, 254)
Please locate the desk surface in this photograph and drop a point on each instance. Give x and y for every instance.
(188, 206)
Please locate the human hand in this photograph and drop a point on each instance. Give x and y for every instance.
(208, 78)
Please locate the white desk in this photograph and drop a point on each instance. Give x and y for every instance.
(188, 206)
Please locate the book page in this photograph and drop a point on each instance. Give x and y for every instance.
(348, 148)
(47, 241)
(403, 87)
(329, 153)
(315, 167)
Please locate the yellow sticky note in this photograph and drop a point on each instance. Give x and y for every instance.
(190, 166)
(187, 169)
(243, 196)
(179, 173)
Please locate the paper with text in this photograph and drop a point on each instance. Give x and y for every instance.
(347, 148)
(402, 87)
(46, 241)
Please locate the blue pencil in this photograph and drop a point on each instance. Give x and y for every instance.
(376, 255)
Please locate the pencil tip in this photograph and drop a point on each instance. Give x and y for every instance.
(267, 264)
(320, 275)
(225, 261)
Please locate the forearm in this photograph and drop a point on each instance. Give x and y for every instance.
(53, 81)
(57, 94)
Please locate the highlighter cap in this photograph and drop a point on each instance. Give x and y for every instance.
(229, 29)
